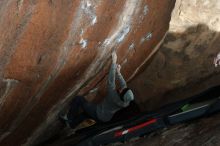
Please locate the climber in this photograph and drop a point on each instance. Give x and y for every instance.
(116, 99)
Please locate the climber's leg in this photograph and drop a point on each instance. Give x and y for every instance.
(90, 110)
(77, 120)
(75, 107)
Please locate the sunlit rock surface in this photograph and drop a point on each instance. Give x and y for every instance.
(183, 66)
(53, 49)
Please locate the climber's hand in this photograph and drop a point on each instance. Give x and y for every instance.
(114, 57)
(118, 67)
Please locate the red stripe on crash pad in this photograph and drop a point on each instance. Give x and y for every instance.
(120, 133)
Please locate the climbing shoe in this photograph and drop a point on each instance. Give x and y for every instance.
(63, 118)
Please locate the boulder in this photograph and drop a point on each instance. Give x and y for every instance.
(51, 50)
(184, 64)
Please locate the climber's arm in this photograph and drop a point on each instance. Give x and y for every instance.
(111, 76)
(120, 78)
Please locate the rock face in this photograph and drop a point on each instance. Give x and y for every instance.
(183, 66)
(51, 50)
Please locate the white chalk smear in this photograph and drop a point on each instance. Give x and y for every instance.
(83, 43)
(122, 34)
(147, 37)
(131, 47)
(123, 27)
(146, 10)
(89, 10)
(94, 90)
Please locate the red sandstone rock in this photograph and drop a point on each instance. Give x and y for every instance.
(52, 49)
